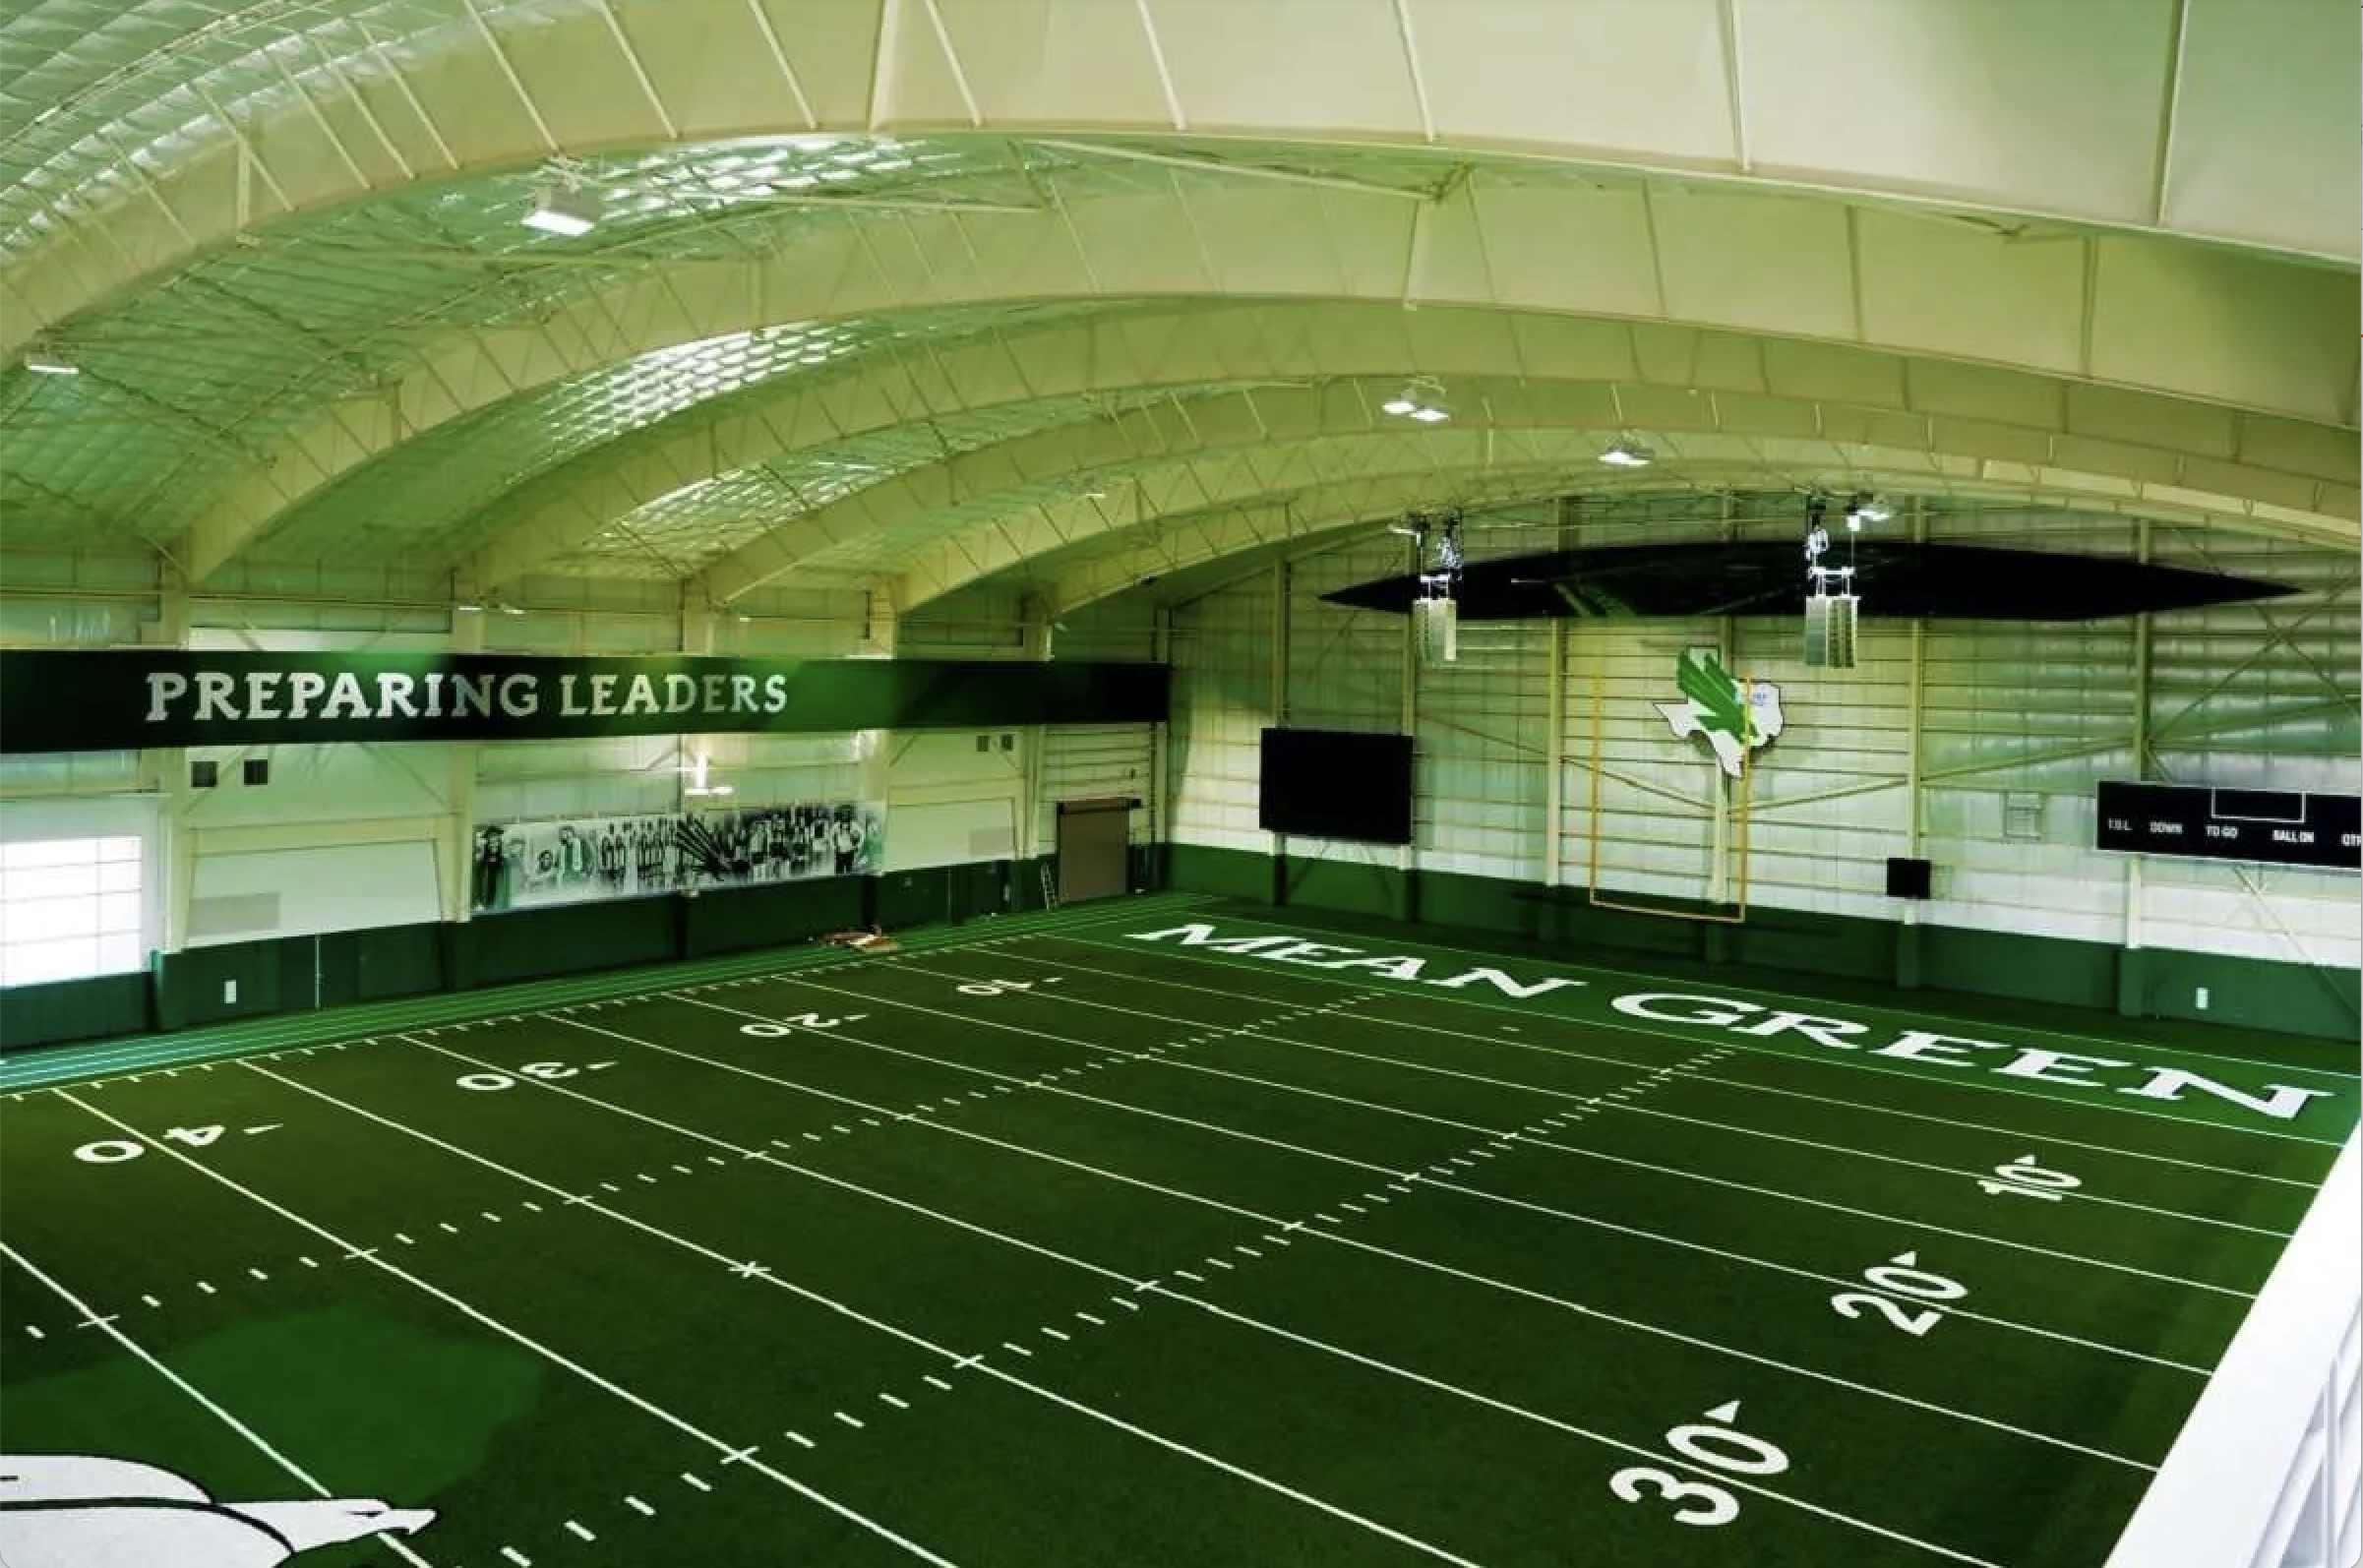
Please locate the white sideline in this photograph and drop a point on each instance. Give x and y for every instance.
(2220, 1498)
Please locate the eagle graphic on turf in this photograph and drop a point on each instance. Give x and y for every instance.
(1736, 719)
(83, 1511)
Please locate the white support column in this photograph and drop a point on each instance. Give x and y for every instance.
(1282, 574)
(454, 846)
(1719, 822)
(1554, 755)
(2141, 631)
(1915, 682)
(1036, 638)
(1407, 858)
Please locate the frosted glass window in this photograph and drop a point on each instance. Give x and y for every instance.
(70, 908)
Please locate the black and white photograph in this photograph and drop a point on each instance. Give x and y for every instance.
(532, 865)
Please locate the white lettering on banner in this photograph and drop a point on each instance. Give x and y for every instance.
(303, 690)
(742, 693)
(640, 698)
(435, 694)
(2281, 1101)
(214, 690)
(469, 691)
(681, 693)
(521, 697)
(603, 694)
(775, 693)
(394, 695)
(163, 686)
(711, 686)
(567, 704)
(346, 692)
(263, 695)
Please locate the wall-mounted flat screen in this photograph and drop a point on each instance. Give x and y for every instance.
(1337, 784)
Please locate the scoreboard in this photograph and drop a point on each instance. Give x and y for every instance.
(2277, 827)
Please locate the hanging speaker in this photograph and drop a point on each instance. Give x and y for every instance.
(1436, 625)
(1829, 631)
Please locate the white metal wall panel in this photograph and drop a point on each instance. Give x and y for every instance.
(2009, 727)
(1223, 700)
(1094, 761)
(1481, 750)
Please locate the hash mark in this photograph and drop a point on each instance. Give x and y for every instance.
(639, 1507)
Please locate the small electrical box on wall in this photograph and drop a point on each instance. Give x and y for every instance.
(1908, 878)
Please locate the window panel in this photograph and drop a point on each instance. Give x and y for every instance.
(33, 853)
(71, 908)
(36, 884)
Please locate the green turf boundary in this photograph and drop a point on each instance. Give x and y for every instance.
(63, 1064)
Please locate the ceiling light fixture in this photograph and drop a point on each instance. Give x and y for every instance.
(44, 361)
(1627, 453)
(1421, 400)
(564, 204)
(1867, 508)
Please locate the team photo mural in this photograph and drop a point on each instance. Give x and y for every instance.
(570, 860)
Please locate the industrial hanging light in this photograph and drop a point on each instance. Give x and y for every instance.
(564, 204)
(1626, 452)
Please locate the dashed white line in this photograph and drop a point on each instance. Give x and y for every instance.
(1011, 1345)
(694, 1481)
(931, 1378)
(578, 1532)
(889, 1399)
(802, 1441)
(639, 1507)
(854, 1421)
(1057, 1334)
(516, 1556)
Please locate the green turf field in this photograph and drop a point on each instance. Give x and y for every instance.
(1065, 1247)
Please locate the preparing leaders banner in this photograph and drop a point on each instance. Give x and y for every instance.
(134, 698)
(530, 865)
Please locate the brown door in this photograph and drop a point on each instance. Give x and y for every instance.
(1095, 849)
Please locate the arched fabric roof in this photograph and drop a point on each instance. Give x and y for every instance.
(918, 292)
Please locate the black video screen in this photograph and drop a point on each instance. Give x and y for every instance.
(1337, 784)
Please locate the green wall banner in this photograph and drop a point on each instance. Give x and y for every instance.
(134, 698)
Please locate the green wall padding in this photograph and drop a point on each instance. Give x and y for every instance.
(740, 919)
(2036, 972)
(568, 939)
(74, 1009)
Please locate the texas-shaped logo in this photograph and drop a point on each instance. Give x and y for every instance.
(1737, 718)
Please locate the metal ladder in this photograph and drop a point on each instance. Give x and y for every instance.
(1050, 886)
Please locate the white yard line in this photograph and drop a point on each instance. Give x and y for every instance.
(261, 1444)
(840, 1308)
(1373, 1363)
(1297, 1226)
(553, 1357)
(1622, 1026)
(1660, 982)
(972, 1020)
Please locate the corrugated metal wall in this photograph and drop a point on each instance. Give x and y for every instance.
(1977, 745)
